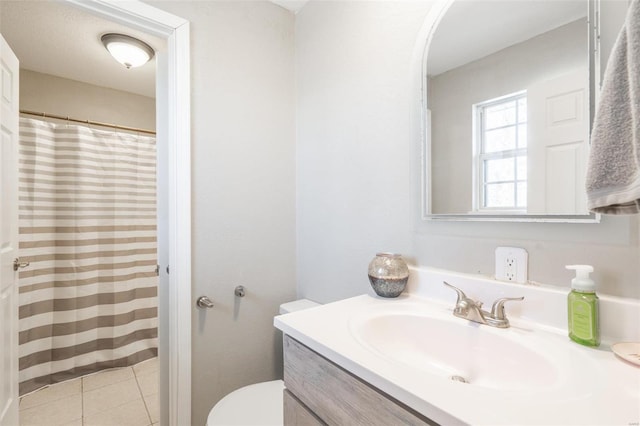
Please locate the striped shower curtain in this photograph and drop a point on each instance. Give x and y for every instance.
(88, 299)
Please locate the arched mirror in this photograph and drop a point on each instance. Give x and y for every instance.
(510, 88)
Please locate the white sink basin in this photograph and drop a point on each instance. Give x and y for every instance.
(482, 356)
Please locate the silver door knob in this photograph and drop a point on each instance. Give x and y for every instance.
(18, 265)
(204, 302)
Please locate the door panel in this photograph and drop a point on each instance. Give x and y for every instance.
(559, 144)
(8, 235)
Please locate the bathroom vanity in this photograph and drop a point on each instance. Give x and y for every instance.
(318, 389)
(369, 360)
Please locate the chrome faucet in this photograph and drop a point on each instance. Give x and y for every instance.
(470, 309)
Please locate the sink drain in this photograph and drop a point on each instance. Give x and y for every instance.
(458, 379)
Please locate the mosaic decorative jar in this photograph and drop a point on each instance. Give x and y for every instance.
(388, 274)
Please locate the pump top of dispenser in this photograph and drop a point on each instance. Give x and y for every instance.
(582, 282)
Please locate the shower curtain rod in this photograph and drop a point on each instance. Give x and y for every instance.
(89, 122)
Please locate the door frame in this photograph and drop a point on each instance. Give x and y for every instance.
(173, 92)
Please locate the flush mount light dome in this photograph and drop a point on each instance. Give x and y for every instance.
(127, 50)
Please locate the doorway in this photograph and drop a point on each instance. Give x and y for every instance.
(173, 197)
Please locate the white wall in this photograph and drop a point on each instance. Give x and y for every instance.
(359, 163)
(243, 162)
(354, 144)
(55, 95)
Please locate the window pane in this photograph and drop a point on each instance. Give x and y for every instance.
(503, 132)
(522, 110)
(500, 140)
(522, 168)
(522, 135)
(522, 195)
(499, 195)
(499, 170)
(500, 115)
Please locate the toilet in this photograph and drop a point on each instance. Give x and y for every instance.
(257, 404)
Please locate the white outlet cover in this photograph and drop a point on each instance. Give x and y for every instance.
(512, 264)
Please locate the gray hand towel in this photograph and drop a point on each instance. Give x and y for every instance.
(613, 174)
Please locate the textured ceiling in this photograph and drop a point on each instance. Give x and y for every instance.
(53, 38)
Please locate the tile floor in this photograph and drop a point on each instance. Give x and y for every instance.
(119, 397)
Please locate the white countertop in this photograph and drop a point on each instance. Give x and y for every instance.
(593, 386)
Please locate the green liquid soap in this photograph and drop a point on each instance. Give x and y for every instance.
(582, 307)
(583, 318)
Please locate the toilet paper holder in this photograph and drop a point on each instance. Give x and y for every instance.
(204, 302)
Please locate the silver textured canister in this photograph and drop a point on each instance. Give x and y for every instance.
(388, 274)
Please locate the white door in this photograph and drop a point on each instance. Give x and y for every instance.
(8, 235)
(558, 144)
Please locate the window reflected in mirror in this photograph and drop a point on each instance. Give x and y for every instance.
(500, 130)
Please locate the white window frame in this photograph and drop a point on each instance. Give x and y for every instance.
(479, 157)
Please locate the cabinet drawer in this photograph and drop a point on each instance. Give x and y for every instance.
(338, 397)
(296, 414)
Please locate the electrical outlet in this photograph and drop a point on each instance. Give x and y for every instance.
(512, 264)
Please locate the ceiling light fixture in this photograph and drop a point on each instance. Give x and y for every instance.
(127, 50)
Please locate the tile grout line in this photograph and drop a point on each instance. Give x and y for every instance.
(53, 398)
(82, 400)
(116, 383)
(127, 402)
(144, 401)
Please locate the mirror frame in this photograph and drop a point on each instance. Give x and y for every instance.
(434, 18)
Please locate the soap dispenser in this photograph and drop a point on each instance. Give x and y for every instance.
(583, 307)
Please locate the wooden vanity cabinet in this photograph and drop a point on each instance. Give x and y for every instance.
(319, 392)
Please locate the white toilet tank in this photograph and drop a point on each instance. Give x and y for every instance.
(297, 305)
(257, 404)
